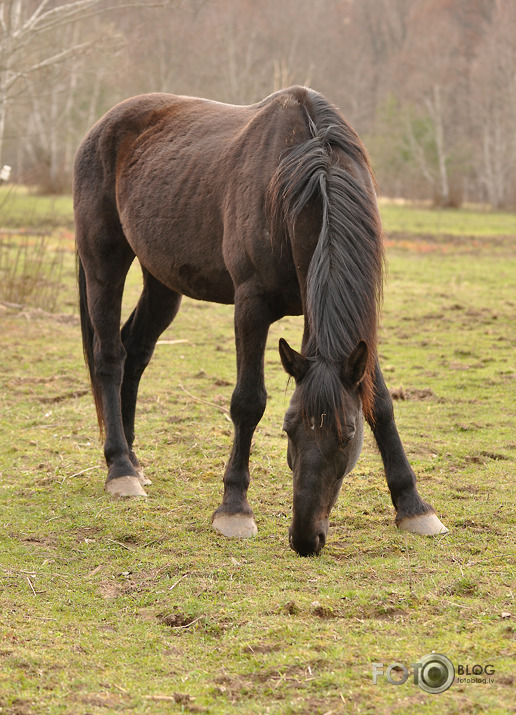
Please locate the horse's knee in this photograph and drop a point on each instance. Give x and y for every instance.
(383, 409)
(248, 406)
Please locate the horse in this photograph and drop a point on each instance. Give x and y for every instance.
(270, 207)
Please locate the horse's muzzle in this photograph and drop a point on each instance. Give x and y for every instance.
(308, 542)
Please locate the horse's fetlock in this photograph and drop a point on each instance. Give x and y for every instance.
(409, 503)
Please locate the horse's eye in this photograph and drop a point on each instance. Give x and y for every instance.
(346, 439)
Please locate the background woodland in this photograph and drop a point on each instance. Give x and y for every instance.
(430, 85)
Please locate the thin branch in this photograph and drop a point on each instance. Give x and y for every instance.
(119, 543)
(179, 580)
(82, 10)
(77, 474)
(95, 571)
(34, 17)
(54, 59)
(205, 402)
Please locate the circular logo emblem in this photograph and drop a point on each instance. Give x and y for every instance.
(436, 673)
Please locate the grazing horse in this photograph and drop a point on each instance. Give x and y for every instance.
(270, 207)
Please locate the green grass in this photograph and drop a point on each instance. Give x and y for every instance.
(109, 606)
(418, 220)
(19, 207)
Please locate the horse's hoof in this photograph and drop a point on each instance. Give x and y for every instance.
(241, 526)
(144, 481)
(423, 524)
(125, 487)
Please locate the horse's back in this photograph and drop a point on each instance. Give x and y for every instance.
(184, 122)
(185, 179)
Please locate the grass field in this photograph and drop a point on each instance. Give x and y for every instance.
(114, 606)
(20, 207)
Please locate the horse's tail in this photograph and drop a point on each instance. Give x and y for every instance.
(87, 341)
(344, 281)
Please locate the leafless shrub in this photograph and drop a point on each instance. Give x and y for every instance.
(30, 271)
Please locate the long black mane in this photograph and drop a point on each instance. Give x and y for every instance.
(344, 282)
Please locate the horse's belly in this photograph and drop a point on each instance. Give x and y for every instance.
(194, 281)
(186, 269)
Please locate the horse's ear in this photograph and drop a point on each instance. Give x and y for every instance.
(295, 364)
(354, 368)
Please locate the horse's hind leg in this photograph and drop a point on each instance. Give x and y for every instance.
(412, 513)
(105, 258)
(155, 311)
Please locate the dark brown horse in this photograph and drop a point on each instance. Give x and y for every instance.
(271, 207)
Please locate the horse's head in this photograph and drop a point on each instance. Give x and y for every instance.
(324, 424)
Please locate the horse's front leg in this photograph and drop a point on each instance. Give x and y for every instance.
(412, 513)
(234, 517)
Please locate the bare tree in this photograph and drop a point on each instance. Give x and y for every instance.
(493, 107)
(430, 84)
(29, 32)
(25, 47)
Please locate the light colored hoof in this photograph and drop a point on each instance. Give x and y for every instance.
(144, 481)
(241, 526)
(125, 487)
(424, 524)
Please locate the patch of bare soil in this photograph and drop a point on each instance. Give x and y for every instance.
(176, 619)
(29, 313)
(183, 699)
(325, 612)
(414, 394)
(110, 590)
(262, 648)
(45, 542)
(291, 608)
(446, 242)
(485, 457)
(28, 385)
(139, 582)
(18, 707)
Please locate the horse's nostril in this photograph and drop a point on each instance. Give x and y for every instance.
(307, 547)
(321, 539)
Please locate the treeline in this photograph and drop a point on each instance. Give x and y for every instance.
(430, 85)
